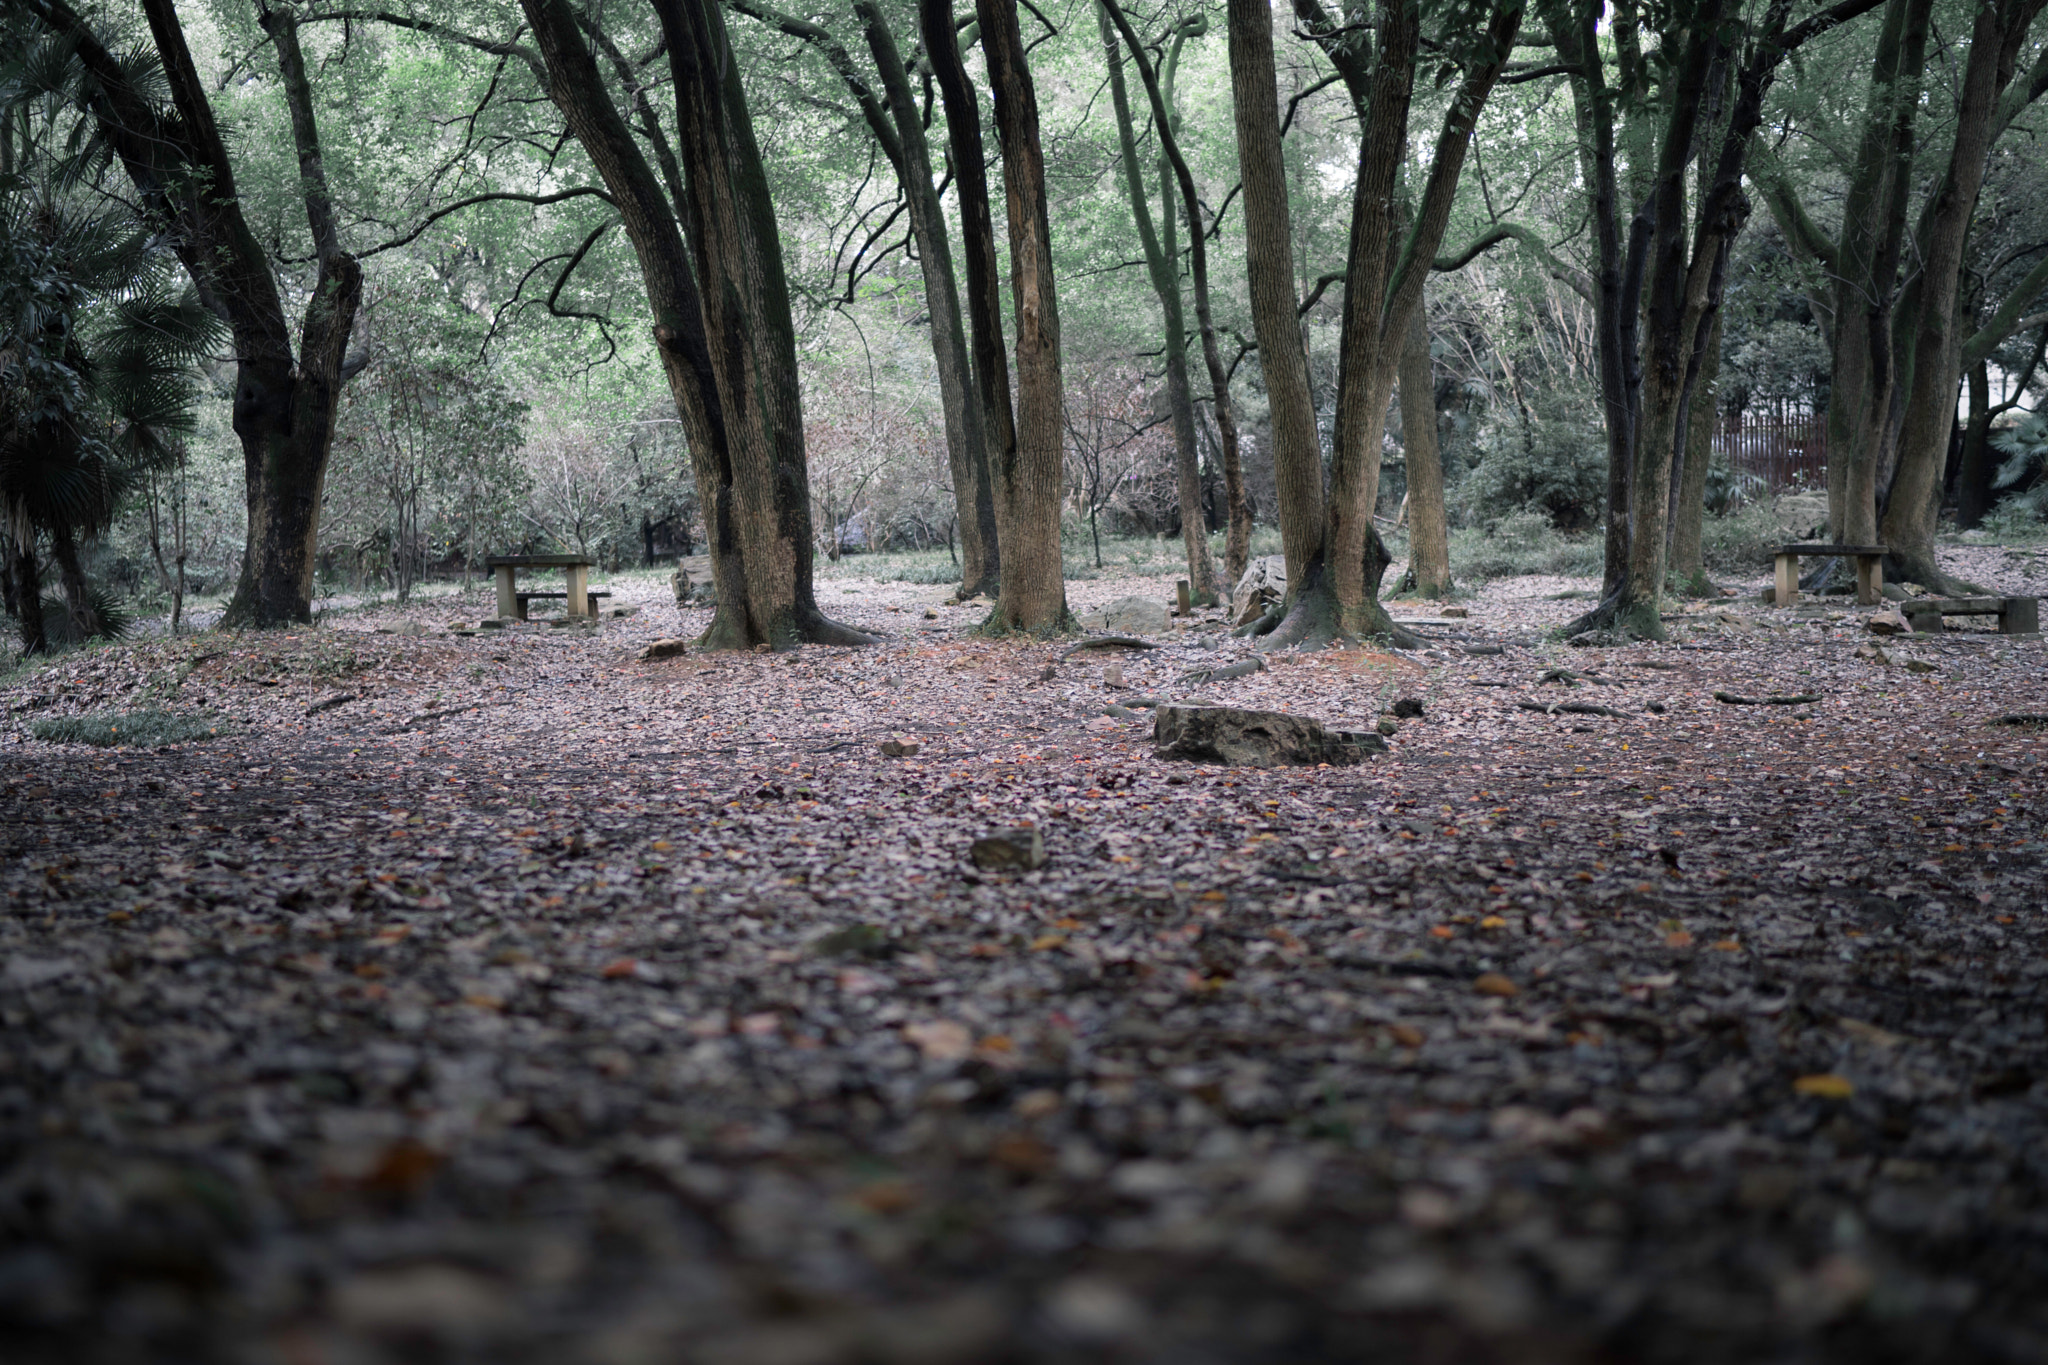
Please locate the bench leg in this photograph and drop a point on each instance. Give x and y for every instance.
(2020, 616)
(1788, 581)
(508, 602)
(1869, 580)
(579, 590)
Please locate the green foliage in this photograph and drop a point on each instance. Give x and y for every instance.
(128, 729)
(1525, 542)
(2025, 469)
(1549, 457)
(1742, 541)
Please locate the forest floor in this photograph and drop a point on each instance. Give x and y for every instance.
(501, 997)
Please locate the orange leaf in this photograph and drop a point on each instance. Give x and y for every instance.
(1493, 983)
(1826, 1085)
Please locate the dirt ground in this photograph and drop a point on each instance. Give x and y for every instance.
(499, 997)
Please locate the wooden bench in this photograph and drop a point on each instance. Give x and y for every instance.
(2016, 615)
(522, 598)
(575, 568)
(1869, 570)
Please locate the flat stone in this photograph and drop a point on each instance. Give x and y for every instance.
(1241, 738)
(1130, 616)
(1019, 850)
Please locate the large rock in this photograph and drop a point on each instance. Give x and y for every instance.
(1263, 586)
(1130, 616)
(1256, 739)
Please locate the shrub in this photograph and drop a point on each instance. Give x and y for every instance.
(1522, 543)
(1551, 459)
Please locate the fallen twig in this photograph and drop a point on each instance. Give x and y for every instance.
(1796, 699)
(2022, 718)
(1570, 708)
(1105, 641)
(1243, 669)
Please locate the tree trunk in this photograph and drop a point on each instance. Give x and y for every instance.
(966, 434)
(1269, 247)
(984, 276)
(1913, 504)
(284, 405)
(82, 619)
(1615, 274)
(730, 224)
(1027, 484)
(1978, 467)
(738, 402)
(1162, 267)
(1429, 551)
(28, 592)
(1159, 91)
(1689, 512)
(899, 131)
(1863, 366)
(1334, 593)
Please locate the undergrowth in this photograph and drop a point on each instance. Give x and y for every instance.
(119, 729)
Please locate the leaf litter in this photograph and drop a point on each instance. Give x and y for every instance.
(503, 996)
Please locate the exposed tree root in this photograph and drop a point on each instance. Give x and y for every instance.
(1622, 615)
(804, 626)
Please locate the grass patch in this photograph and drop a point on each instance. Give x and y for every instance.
(119, 729)
(1524, 543)
(1122, 557)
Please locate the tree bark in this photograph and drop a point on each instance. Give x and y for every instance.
(730, 223)
(1913, 503)
(1688, 514)
(899, 131)
(1159, 91)
(1028, 483)
(1334, 554)
(1974, 476)
(1429, 551)
(737, 399)
(1164, 273)
(1863, 363)
(984, 275)
(1574, 30)
(284, 404)
(1269, 245)
(28, 593)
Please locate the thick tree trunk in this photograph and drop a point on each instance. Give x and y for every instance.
(286, 425)
(1429, 551)
(1913, 505)
(1689, 510)
(1269, 247)
(730, 224)
(1574, 31)
(284, 404)
(1863, 366)
(1034, 596)
(1163, 269)
(991, 369)
(738, 406)
(966, 429)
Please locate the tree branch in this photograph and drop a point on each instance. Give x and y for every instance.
(507, 196)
